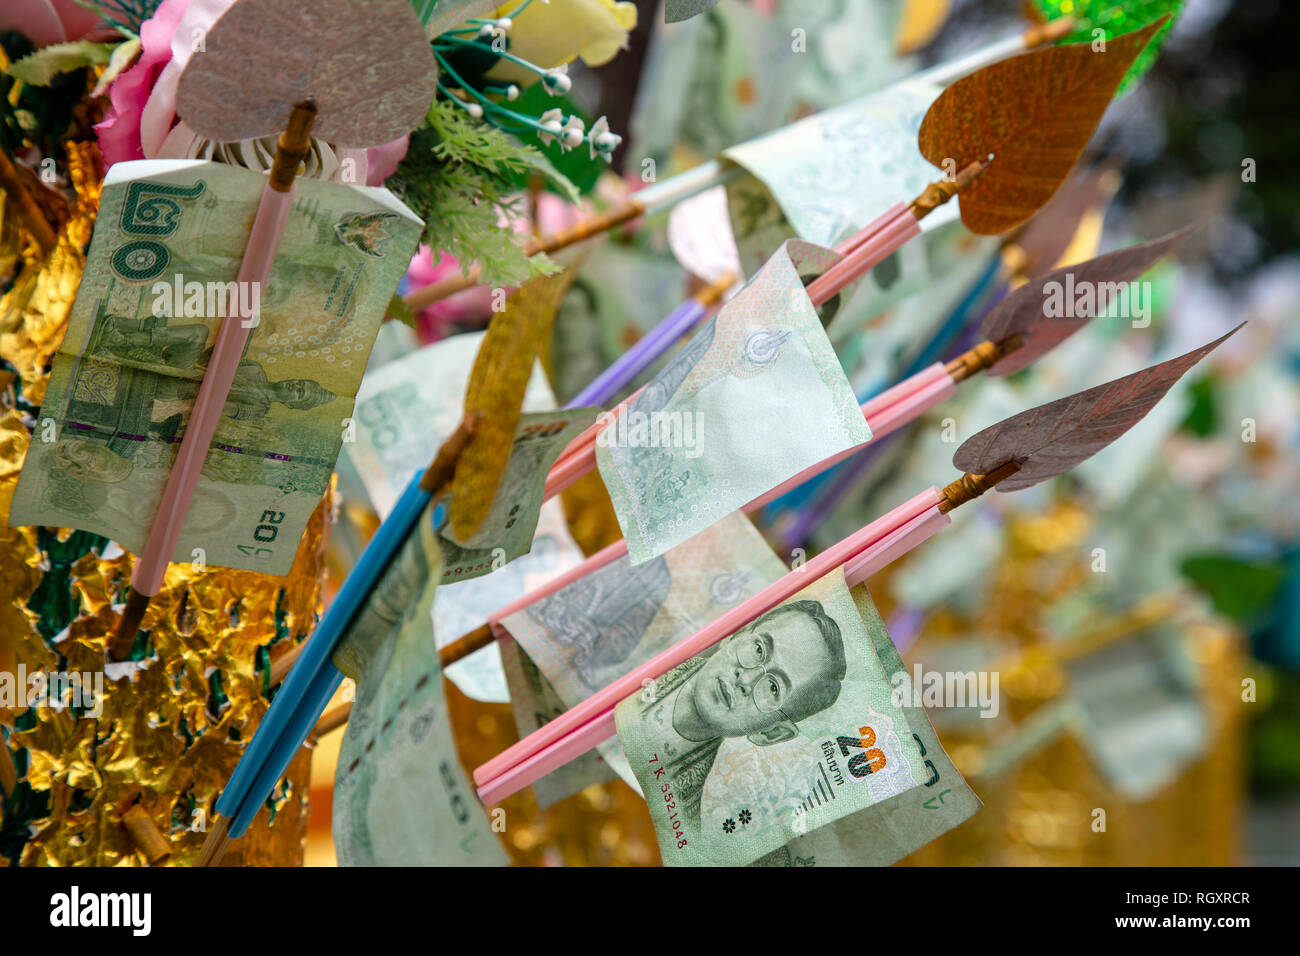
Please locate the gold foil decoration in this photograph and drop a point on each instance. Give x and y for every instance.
(173, 726)
(1041, 812)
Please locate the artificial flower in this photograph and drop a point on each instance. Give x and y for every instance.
(46, 22)
(552, 121)
(555, 33)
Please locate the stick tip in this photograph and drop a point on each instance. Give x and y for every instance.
(216, 843)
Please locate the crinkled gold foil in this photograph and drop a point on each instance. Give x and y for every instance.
(165, 740)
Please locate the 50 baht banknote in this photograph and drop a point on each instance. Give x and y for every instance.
(786, 726)
(159, 279)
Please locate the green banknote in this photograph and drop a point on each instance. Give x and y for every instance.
(507, 531)
(401, 797)
(409, 406)
(827, 176)
(786, 726)
(159, 277)
(888, 831)
(585, 636)
(535, 702)
(753, 399)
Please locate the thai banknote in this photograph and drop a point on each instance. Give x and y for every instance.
(826, 176)
(507, 531)
(534, 702)
(786, 726)
(888, 831)
(159, 279)
(754, 398)
(588, 634)
(401, 797)
(465, 605)
(408, 407)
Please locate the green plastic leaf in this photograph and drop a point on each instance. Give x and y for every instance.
(1114, 17)
(41, 67)
(561, 183)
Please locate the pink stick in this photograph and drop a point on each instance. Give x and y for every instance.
(875, 406)
(263, 241)
(913, 407)
(707, 636)
(862, 259)
(910, 527)
(863, 250)
(882, 221)
(886, 412)
(890, 549)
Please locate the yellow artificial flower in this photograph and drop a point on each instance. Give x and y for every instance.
(551, 34)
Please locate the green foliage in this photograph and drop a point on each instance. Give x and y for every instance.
(42, 116)
(460, 176)
(1115, 17)
(42, 66)
(575, 164)
(126, 15)
(1240, 590)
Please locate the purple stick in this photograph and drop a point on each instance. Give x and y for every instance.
(641, 355)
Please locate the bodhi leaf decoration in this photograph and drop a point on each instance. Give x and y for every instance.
(365, 63)
(1051, 439)
(1034, 113)
(1114, 17)
(1099, 282)
(496, 393)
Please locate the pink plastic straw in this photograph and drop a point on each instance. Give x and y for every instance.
(890, 536)
(885, 219)
(885, 412)
(864, 258)
(263, 241)
(707, 636)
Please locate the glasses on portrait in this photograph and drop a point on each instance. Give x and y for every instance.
(754, 653)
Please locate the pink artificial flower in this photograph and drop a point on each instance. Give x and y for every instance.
(46, 22)
(433, 323)
(381, 161)
(120, 132)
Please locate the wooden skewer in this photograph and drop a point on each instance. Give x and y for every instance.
(583, 229)
(214, 846)
(332, 720)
